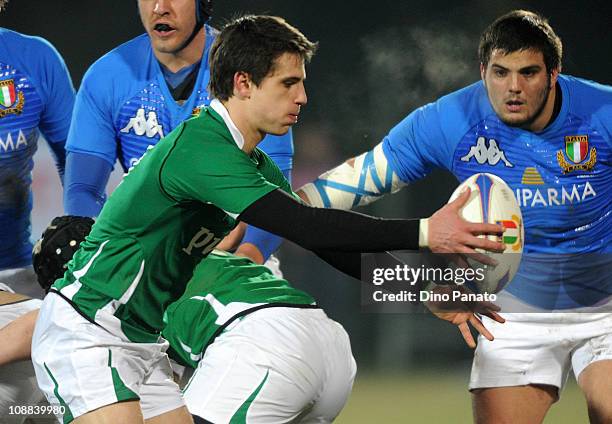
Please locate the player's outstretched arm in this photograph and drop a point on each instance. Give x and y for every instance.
(19, 333)
(332, 229)
(356, 182)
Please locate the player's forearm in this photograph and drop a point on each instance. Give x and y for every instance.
(19, 332)
(85, 184)
(356, 182)
(330, 229)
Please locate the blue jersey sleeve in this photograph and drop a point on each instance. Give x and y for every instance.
(92, 131)
(85, 184)
(418, 144)
(280, 150)
(428, 137)
(57, 92)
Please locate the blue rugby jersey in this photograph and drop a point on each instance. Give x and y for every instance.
(561, 176)
(36, 94)
(124, 105)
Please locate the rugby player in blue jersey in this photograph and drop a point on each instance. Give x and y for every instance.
(36, 97)
(548, 135)
(136, 94)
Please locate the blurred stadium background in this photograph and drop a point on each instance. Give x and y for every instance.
(377, 61)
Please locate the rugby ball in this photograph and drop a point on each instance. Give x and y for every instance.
(492, 201)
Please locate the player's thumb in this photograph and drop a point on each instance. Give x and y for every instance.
(460, 201)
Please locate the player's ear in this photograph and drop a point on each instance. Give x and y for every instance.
(242, 85)
(482, 71)
(554, 74)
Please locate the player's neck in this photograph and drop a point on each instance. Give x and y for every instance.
(187, 56)
(240, 115)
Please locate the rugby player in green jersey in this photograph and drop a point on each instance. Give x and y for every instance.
(262, 350)
(96, 348)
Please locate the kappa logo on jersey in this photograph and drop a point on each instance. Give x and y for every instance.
(11, 100)
(148, 126)
(491, 154)
(8, 144)
(512, 235)
(577, 149)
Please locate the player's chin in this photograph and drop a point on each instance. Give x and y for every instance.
(280, 130)
(514, 120)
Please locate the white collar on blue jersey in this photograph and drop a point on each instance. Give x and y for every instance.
(222, 111)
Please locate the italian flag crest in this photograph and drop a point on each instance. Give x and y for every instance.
(576, 147)
(7, 93)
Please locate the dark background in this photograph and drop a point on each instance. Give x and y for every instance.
(376, 62)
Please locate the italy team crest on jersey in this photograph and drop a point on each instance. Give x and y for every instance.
(576, 147)
(11, 100)
(577, 151)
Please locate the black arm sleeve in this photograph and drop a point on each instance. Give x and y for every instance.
(347, 262)
(329, 229)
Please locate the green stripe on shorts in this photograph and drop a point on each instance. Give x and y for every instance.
(240, 415)
(67, 412)
(121, 390)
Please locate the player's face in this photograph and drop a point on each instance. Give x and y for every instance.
(275, 104)
(519, 88)
(169, 23)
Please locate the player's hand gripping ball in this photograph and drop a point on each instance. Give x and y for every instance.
(492, 201)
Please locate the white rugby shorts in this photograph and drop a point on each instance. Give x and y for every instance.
(274, 365)
(81, 366)
(540, 347)
(17, 380)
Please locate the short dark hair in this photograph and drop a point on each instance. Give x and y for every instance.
(521, 30)
(251, 44)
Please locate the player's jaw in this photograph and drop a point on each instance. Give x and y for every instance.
(168, 24)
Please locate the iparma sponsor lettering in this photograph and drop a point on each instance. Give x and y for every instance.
(8, 143)
(553, 196)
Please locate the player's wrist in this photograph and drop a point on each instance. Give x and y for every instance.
(424, 233)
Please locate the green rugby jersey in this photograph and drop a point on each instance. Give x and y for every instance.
(223, 287)
(168, 213)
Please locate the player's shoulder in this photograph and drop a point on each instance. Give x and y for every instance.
(457, 110)
(210, 123)
(32, 47)
(584, 94)
(471, 99)
(125, 62)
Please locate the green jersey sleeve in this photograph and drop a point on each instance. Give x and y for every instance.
(206, 165)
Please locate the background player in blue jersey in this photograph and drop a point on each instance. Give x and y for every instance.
(137, 93)
(36, 96)
(548, 136)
